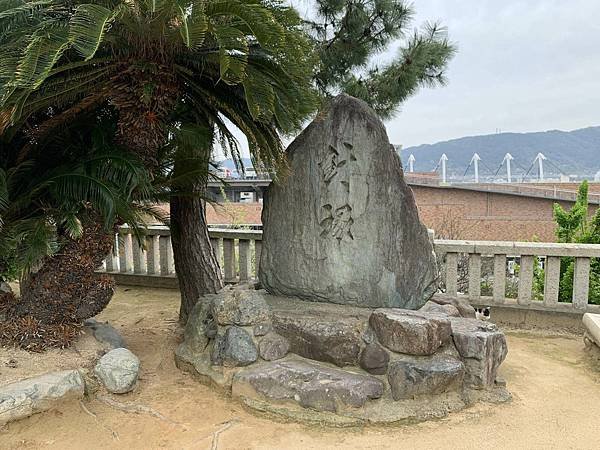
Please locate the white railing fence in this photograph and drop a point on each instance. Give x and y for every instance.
(238, 252)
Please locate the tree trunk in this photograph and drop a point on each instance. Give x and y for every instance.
(66, 288)
(196, 266)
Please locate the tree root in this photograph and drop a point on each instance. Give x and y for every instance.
(136, 409)
(114, 434)
(225, 427)
(215, 435)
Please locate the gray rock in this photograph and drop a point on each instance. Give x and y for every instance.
(240, 307)
(410, 332)
(24, 398)
(216, 352)
(199, 328)
(432, 307)
(311, 385)
(482, 347)
(235, 349)
(334, 339)
(262, 329)
(461, 304)
(411, 377)
(273, 346)
(343, 227)
(118, 370)
(374, 359)
(105, 333)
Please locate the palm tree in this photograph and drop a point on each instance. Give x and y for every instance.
(176, 71)
(58, 215)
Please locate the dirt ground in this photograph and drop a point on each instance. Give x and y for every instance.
(556, 401)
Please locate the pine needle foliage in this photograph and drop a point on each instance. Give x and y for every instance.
(348, 34)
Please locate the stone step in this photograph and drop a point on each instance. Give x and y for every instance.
(309, 384)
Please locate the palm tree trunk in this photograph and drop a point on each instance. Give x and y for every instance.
(197, 268)
(66, 288)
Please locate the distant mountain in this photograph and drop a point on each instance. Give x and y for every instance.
(574, 152)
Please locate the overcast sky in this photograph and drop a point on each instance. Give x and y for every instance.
(522, 65)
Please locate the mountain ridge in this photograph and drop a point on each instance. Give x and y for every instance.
(569, 152)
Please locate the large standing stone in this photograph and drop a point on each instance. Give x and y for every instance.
(24, 398)
(343, 227)
(424, 376)
(410, 332)
(482, 347)
(118, 370)
(311, 385)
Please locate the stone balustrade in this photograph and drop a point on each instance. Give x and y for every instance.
(527, 254)
(238, 252)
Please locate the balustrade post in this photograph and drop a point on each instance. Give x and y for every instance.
(125, 253)
(244, 257)
(499, 292)
(139, 257)
(551, 281)
(451, 274)
(525, 279)
(229, 260)
(110, 258)
(153, 254)
(581, 282)
(166, 255)
(474, 276)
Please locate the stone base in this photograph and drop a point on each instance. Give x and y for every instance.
(339, 365)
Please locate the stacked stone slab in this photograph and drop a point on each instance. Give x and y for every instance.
(343, 227)
(286, 355)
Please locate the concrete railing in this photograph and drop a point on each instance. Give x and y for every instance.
(527, 254)
(238, 252)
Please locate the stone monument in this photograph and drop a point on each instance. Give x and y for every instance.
(342, 231)
(343, 227)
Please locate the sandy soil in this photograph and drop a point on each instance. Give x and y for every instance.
(556, 402)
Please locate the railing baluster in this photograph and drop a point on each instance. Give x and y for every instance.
(125, 253)
(257, 252)
(153, 254)
(499, 292)
(110, 258)
(139, 257)
(581, 282)
(244, 257)
(474, 276)
(229, 260)
(166, 253)
(551, 281)
(451, 274)
(525, 280)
